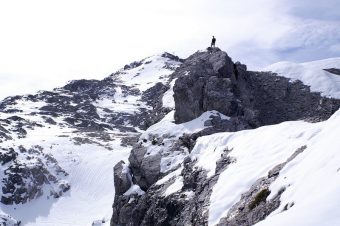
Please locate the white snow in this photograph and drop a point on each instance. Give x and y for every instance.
(312, 178)
(174, 187)
(312, 74)
(168, 97)
(168, 126)
(90, 176)
(312, 181)
(171, 175)
(151, 71)
(134, 189)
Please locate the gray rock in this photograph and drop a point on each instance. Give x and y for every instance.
(145, 169)
(196, 79)
(153, 208)
(122, 178)
(335, 71)
(24, 181)
(210, 81)
(151, 168)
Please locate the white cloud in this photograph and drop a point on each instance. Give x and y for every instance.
(51, 42)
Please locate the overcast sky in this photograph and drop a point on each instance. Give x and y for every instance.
(44, 43)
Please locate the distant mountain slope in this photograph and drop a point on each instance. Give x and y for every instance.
(316, 74)
(57, 148)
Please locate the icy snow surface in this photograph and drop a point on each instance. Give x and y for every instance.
(312, 74)
(150, 72)
(168, 97)
(312, 179)
(174, 187)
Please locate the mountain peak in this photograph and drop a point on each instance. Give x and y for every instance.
(181, 132)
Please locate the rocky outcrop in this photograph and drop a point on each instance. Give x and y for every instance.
(335, 71)
(211, 81)
(199, 74)
(186, 207)
(122, 178)
(28, 173)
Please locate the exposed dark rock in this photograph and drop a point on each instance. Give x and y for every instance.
(133, 65)
(7, 155)
(93, 88)
(196, 76)
(172, 57)
(210, 81)
(24, 181)
(335, 71)
(122, 178)
(145, 170)
(181, 208)
(153, 97)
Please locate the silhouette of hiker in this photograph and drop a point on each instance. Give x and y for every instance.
(213, 41)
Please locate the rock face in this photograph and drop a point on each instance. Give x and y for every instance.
(211, 81)
(206, 81)
(203, 79)
(121, 177)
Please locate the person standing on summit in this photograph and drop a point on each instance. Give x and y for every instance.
(213, 41)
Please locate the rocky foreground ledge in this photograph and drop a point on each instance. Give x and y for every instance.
(162, 184)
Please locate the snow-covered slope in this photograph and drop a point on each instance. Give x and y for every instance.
(74, 136)
(312, 74)
(307, 185)
(311, 180)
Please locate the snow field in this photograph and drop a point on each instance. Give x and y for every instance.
(311, 179)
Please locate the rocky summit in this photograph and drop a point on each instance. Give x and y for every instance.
(162, 183)
(196, 141)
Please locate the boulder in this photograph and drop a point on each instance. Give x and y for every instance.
(122, 178)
